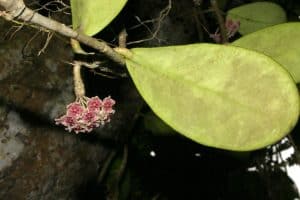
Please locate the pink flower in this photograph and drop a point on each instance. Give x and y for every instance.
(232, 27)
(94, 103)
(85, 114)
(108, 104)
(65, 120)
(89, 116)
(74, 109)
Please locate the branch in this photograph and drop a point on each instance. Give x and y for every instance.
(17, 10)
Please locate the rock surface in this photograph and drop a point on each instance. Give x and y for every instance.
(39, 160)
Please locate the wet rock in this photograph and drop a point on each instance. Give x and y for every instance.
(39, 160)
(40, 84)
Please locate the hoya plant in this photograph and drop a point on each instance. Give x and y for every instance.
(237, 96)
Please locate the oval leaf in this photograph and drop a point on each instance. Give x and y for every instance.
(280, 42)
(255, 16)
(221, 96)
(91, 16)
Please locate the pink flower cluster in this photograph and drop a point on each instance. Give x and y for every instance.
(232, 28)
(85, 114)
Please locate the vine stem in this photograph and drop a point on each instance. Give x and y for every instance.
(17, 10)
(220, 19)
(78, 82)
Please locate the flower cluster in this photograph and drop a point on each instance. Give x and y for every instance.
(231, 29)
(85, 114)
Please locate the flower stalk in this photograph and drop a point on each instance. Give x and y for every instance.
(85, 114)
(78, 82)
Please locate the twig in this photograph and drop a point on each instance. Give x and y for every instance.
(28, 42)
(49, 36)
(198, 24)
(105, 69)
(97, 65)
(58, 6)
(220, 19)
(16, 9)
(122, 38)
(19, 27)
(162, 15)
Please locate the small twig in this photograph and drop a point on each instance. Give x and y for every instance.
(202, 16)
(114, 76)
(142, 23)
(93, 66)
(28, 42)
(19, 27)
(49, 36)
(220, 19)
(162, 15)
(59, 6)
(122, 38)
(198, 24)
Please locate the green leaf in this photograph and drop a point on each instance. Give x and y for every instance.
(91, 16)
(280, 42)
(255, 16)
(220, 96)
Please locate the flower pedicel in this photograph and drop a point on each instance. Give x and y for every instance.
(85, 113)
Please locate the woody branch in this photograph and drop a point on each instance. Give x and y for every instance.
(17, 10)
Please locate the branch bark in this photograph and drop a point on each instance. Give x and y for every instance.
(17, 10)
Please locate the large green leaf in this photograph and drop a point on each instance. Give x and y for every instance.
(281, 42)
(255, 16)
(91, 16)
(221, 96)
